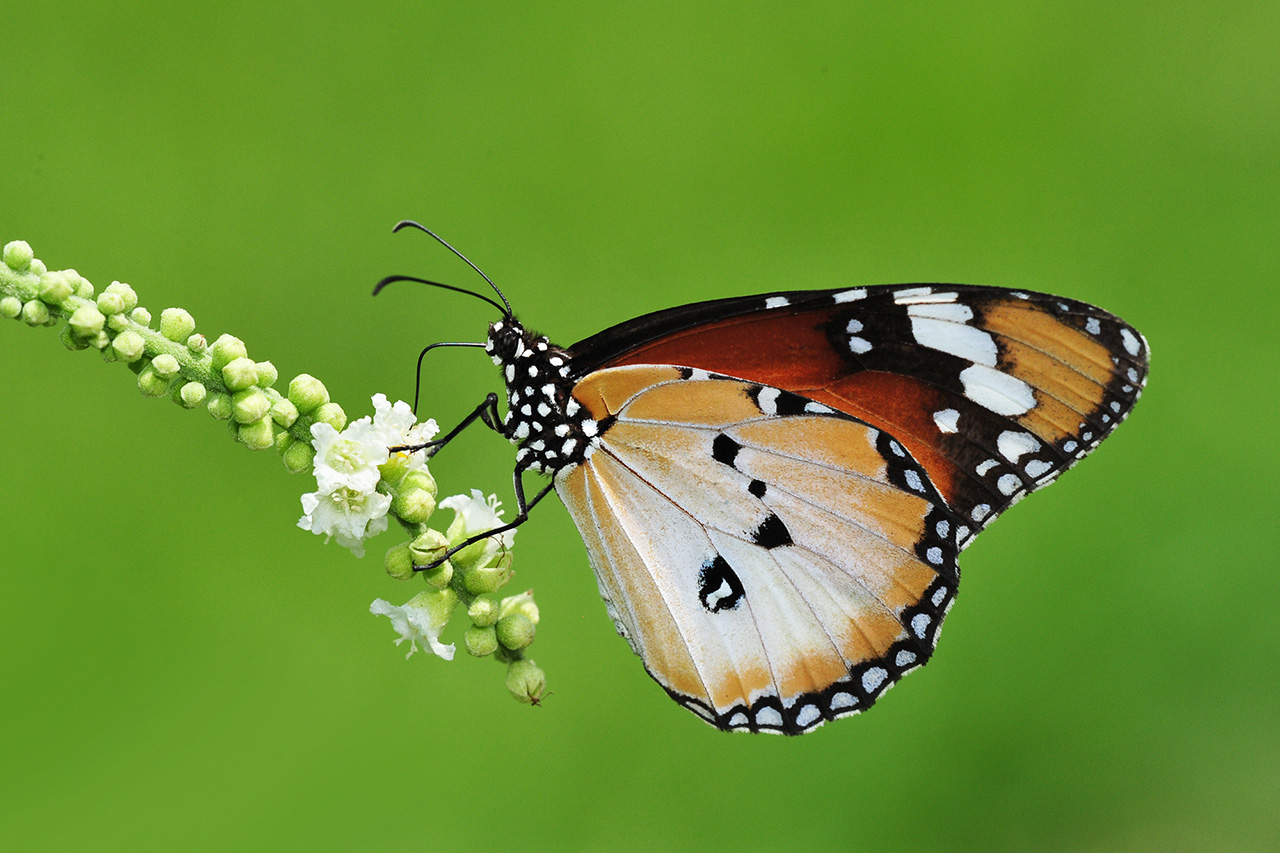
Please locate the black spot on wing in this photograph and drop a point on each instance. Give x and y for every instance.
(719, 587)
(757, 488)
(725, 449)
(771, 533)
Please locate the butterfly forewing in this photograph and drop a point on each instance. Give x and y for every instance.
(994, 391)
(774, 562)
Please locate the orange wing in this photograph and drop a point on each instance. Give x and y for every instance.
(773, 570)
(995, 392)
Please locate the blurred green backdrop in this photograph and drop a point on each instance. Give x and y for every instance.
(182, 667)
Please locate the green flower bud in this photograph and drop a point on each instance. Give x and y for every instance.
(419, 479)
(166, 365)
(439, 577)
(515, 631)
(35, 313)
(267, 374)
(258, 435)
(226, 349)
(439, 604)
(117, 322)
(86, 321)
(481, 641)
(250, 406)
(299, 457)
(129, 345)
(399, 562)
(220, 405)
(526, 681)
(10, 307)
(331, 414)
(522, 603)
(18, 255)
(54, 289)
(483, 611)
(197, 344)
(110, 303)
(84, 289)
(192, 394)
(102, 341)
(284, 412)
(176, 324)
(152, 384)
(307, 393)
(239, 374)
(70, 341)
(284, 440)
(127, 297)
(484, 578)
(413, 505)
(141, 316)
(428, 547)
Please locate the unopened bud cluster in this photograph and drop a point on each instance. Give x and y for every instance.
(169, 358)
(502, 627)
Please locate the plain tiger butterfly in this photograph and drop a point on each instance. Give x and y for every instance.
(773, 490)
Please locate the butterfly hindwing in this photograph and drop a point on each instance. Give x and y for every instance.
(996, 392)
(774, 562)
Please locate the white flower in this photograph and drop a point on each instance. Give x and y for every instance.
(420, 620)
(399, 426)
(345, 514)
(349, 458)
(475, 515)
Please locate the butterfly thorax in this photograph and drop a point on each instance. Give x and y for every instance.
(554, 433)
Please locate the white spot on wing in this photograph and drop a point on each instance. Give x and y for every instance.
(854, 327)
(1013, 444)
(842, 700)
(1131, 344)
(776, 302)
(905, 296)
(951, 311)
(858, 346)
(808, 715)
(768, 400)
(850, 295)
(1008, 484)
(984, 467)
(1000, 392)
(873, 678)
(958, 339)
(817, 408)
(769, 717)
(980, 512)
(1036, 467)
(1093, 326)
(947, 420)
(913, 480)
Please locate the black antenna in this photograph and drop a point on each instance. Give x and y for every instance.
(393, 278)
(417, 384)
(410, 223)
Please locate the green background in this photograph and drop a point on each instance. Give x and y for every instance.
(182, 667)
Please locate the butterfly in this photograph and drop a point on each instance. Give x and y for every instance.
(773, 490)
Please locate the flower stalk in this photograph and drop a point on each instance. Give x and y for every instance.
(360, 484)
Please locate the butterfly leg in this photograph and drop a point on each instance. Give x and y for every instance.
(522, 515)
(487, 412)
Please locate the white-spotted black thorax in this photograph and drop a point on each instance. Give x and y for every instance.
(553, 432)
